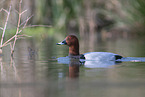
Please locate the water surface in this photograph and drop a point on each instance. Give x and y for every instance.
(35, 72)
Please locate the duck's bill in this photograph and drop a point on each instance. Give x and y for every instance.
(62, 43)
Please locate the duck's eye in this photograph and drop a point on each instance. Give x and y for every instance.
(69, 38)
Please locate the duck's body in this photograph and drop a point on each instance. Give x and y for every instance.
(73, 43)
(101, 56)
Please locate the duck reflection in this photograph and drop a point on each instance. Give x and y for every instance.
(75, 63)
(72, 82)
(74, 68)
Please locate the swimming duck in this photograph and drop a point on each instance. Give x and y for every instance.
(73, 43)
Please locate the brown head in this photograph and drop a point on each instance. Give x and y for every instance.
(73, 43)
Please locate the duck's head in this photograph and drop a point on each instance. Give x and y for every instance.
(73, 43)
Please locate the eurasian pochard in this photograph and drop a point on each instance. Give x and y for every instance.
(73, 43)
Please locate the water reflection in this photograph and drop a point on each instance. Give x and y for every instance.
(18, 72)
(6, 77)
(32, 53)
(2, 69)
(12, 64)
(88, 63)
(74, 68)
(72, 85)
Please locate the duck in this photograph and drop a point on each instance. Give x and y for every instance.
(73, 43)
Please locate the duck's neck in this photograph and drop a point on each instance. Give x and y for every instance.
(74, 50)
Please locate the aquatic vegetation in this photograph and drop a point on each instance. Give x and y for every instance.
(19, 29)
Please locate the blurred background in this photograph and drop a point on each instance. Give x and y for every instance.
(116, 26)
(104, 18)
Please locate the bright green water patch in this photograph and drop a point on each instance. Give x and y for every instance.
(36, 31)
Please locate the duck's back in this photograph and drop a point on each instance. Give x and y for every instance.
(102, 56)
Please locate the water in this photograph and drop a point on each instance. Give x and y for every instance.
(35, 72)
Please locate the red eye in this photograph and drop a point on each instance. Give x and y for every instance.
(69, 37)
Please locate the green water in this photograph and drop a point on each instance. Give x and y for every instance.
(35, 72)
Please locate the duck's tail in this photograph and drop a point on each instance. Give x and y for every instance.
(118, 57)
(132, 59)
